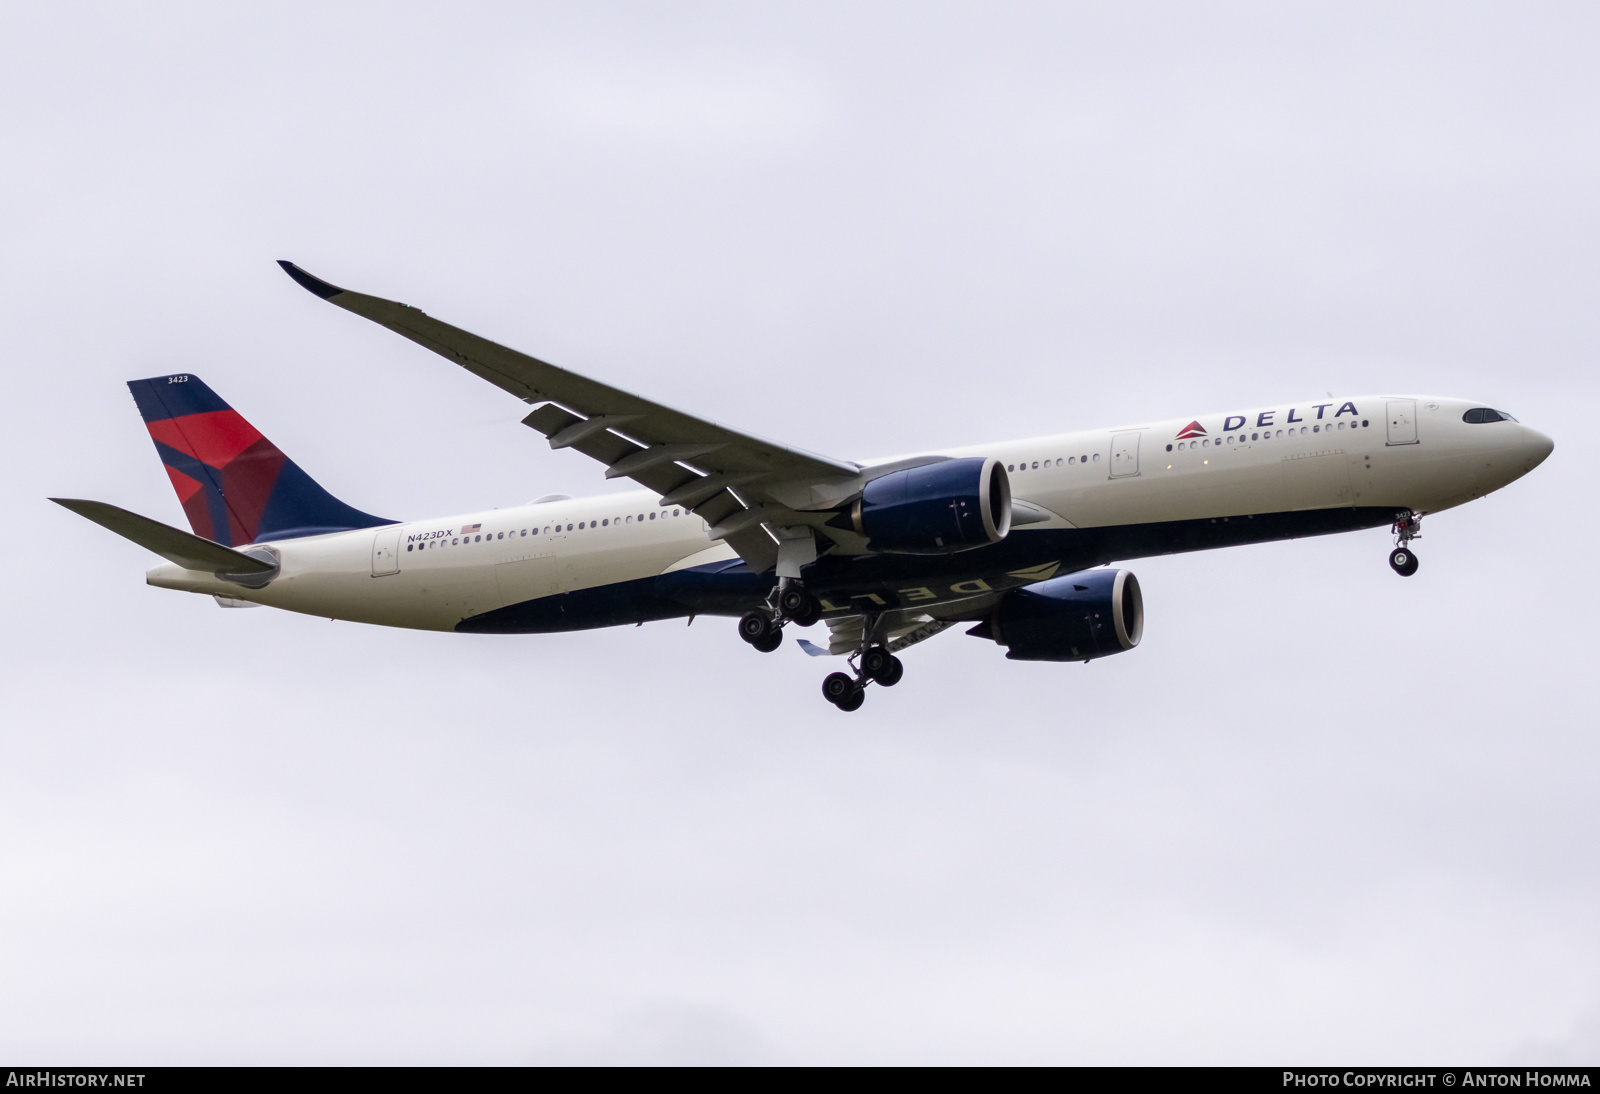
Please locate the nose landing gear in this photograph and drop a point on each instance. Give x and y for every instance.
(1407, 527)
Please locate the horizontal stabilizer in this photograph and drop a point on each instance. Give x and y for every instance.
(189, 551)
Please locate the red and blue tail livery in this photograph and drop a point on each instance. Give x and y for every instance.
(236, 486)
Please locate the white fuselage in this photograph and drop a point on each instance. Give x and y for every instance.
(1390, 452)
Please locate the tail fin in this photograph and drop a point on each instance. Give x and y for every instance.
(235, 485)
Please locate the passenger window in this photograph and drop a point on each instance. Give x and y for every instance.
(1097, 457)
(652, 516)
(1085, 459)
(1036, 465)
(1010, 467)
(605, 524)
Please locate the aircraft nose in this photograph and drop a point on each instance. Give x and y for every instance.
(1536, 447)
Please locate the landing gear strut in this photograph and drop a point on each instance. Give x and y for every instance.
(1407, 527)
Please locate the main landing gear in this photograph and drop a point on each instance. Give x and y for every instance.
(790, 603)
(876, 665)
(1407, 527)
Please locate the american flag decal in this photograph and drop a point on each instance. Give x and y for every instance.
(468, 528)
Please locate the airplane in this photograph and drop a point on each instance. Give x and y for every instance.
(1013, 540)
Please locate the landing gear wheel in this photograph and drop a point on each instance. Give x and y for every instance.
(772, 641)
(890, 676)
(755, 627)
(1404, 561)
(797, 603)
(807, 614)
(875, 662)
(853, 701)
(838, 688)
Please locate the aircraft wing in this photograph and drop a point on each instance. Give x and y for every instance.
(737, 482)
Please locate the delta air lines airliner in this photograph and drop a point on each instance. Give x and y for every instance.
(1011, 540)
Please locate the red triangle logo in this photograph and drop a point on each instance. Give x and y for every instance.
(1193, 429)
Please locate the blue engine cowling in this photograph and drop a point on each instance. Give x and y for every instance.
(1078, 617)
(938, 509)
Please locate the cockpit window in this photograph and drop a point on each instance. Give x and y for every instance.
(1479, 414)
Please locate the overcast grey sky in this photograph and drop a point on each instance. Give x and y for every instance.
(1322, 814)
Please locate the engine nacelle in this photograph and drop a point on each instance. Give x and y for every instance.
(938, 509)
(1078, 617)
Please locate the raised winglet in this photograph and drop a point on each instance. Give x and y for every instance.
(312, 284)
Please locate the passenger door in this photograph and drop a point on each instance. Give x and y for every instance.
(1125, 454)
(386, 551)
(1402, 421)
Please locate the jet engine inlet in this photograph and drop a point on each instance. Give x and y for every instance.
(938, 509)
(1078, 617)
